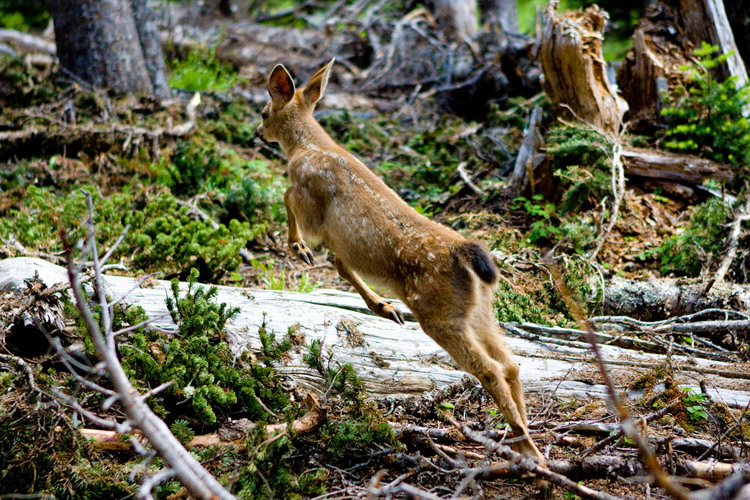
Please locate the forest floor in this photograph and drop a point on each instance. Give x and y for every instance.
(195, 196)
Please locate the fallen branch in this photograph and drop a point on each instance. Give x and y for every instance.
(726, 261)
(233, 437)
(26, 42)
(528, 465)
(686, 168)
(532, 138)
(198, 481)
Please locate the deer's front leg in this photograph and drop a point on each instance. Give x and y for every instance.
(374, 302)
(295, 241)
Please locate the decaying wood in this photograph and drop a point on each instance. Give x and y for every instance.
(532, 138)
(233, 435)
(663, 43)
(656, 299)
(394, 360)
(663, 165)
(575, 74)
(70, 137)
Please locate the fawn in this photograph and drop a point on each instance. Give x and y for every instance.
(447, 281)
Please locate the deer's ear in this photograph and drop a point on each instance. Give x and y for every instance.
(280, 86)
(317, 86)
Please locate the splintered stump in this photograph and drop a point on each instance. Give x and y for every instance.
(663, 44)
(575, 74)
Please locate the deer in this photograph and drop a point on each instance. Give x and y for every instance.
(446, 280)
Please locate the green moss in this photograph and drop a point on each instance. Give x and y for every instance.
(163, 235)
(685, 253)
(201, 71)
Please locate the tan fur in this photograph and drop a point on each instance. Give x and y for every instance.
(373, 233)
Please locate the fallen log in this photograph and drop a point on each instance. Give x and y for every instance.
(656, 299)
(663, 165)
(393, 360)
(27, 43)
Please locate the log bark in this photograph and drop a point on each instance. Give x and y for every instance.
(148, 36)
(657, 299)
(394, 361)
(663, 165)
(575, 74)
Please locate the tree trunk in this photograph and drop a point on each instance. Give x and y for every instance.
(148, 34)
(502, 12)
(111, 43)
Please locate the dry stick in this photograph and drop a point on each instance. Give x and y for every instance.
(618, 190)
(648, 457)
(530, 465)
(197, 480)
(616, 435)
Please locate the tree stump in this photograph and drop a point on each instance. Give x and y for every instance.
(575, 74)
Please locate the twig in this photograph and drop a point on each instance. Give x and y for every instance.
(647, 455)
(729, 257)
(461, 169)
(188, 470)
(618, 191)
(528, 465)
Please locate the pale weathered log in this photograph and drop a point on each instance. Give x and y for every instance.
(663, 165)
(394, 359)
(575, 74)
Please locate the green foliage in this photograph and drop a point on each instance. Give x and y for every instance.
(581, 160)
(342, 378)
(202, 71)
(268, 277)
(43, 453)
(267, 473)
(182, 430)
(694, 405)
(24, 15)
(343, 438)
(171, 240)
(513, 305)
(686, 252)
(706, 118)
(201, 365)
(163, 235)
(542, 226)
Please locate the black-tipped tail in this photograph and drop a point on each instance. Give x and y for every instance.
(481, 261)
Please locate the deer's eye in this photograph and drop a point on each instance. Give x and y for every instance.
(264, 115)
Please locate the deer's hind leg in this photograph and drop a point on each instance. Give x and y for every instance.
(496, 371)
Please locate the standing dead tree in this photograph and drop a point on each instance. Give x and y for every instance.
(575, 74)
(663, 44)
(182, 465)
